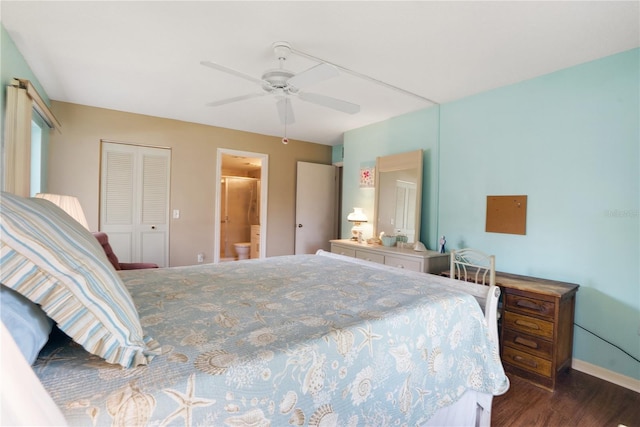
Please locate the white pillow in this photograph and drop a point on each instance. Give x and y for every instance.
(54, 261)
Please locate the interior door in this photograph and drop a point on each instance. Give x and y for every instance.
(134, 201)
(315, 207)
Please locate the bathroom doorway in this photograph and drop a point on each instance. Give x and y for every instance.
(241, 205)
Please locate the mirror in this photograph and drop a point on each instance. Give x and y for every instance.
(399, 195)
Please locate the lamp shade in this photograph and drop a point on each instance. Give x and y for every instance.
(69, 204)
(357, 216)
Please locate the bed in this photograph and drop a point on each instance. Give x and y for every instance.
(317, 340)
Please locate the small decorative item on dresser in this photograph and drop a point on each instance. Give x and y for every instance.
(443, 242)
(388, 240)
(419, 247)
(402, 240)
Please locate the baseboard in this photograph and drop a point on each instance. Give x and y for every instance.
(607, 375)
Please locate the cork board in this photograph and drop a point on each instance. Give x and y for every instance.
(506, 214)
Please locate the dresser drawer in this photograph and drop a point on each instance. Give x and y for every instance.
(531, 306)
(341, 250)
(402, 263)
(526, 361)
(370, 256)
(528, 343)
(527, 324)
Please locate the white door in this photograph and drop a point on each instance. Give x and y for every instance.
(134, 201)
(315, 207)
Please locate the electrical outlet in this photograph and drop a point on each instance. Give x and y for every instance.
(200, 257)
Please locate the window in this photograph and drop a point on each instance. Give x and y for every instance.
(37, 160)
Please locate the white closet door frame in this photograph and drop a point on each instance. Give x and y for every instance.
(134, 202)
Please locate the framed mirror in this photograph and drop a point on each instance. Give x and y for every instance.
(399, 195)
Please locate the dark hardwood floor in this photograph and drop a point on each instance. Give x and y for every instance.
(579, 400)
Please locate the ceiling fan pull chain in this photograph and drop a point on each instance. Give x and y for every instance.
(285, 140)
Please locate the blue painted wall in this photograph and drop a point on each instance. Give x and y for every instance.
(336, 153)
(570, 142)
(13, 65)
(418, 130)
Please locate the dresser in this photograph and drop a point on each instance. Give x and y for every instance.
(536, 327)
(425, 262)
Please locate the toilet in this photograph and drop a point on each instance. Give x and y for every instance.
(242, 249)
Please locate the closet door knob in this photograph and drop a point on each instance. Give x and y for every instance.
(153, 227)
(299, 225)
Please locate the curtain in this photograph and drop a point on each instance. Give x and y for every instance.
(22, 100)
(17, 142)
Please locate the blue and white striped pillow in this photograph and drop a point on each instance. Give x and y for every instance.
(54, 261)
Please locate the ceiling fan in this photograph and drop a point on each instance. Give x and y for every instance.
(285, 84)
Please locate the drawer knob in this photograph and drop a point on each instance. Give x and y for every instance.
(526, 342)
(526, 324)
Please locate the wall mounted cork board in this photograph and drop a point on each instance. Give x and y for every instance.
(506, 214)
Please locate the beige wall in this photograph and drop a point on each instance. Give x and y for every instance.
(74, 169)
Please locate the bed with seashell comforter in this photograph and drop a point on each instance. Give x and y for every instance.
(294, 340)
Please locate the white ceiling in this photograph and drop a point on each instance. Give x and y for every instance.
(144, 57)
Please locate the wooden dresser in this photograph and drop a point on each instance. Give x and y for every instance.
(425, 262)
(536, 327)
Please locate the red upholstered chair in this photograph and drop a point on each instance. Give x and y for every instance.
(104, 241)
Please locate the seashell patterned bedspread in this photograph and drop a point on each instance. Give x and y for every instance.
(292, 340)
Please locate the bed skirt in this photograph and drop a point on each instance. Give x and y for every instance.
(473, 409)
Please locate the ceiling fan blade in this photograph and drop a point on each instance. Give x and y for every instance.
(235, 99)
(231, 71)
(329, 102)
(313, 75)
(285, 111)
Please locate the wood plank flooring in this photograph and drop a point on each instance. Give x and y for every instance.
(579, 400)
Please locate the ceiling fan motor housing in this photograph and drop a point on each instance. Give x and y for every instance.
(277, 79)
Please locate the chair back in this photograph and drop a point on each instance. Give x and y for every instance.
(104, 242)
(471, 265)
(108, 250)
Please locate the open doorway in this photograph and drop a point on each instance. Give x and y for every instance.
(241, 205)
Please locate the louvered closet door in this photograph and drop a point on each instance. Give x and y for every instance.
(134, 201)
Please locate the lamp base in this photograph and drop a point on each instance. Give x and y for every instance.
(356, 233)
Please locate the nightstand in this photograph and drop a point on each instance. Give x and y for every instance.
(536, 327)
